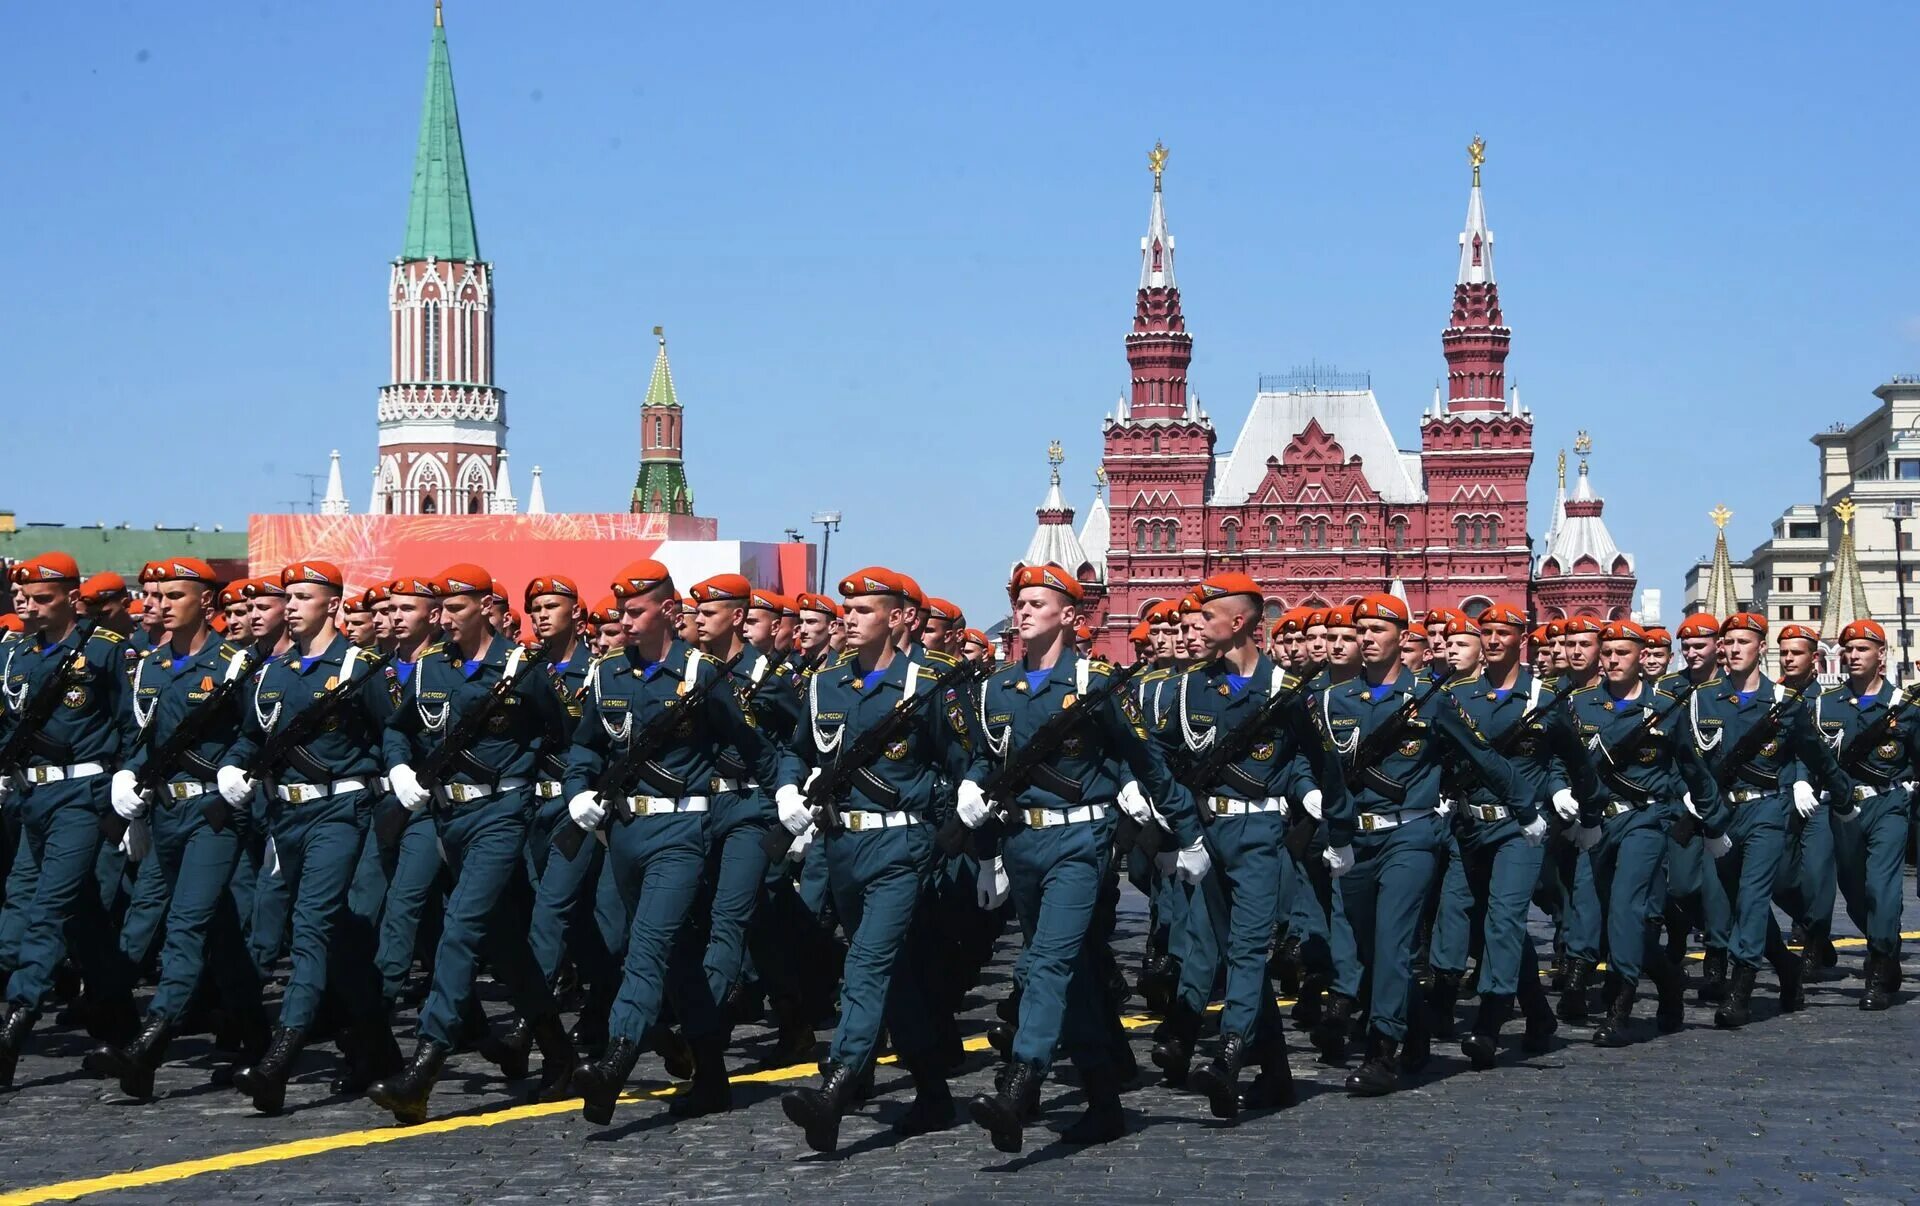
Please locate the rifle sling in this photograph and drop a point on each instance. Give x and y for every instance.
(877, 789)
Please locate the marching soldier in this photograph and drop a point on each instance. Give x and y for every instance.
(1056, 861)
(1874, 732)
(1807, 889)
(62, 693)
(413, 624)
(1646, 762)
(657, 849)
(480, 712)
(1695, 897)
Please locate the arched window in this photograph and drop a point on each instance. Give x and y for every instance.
(1460, 531)
(474, 504)
(1230, 535)
(1158, 533)
(430, 341)
(1156, 441)
(1139, 535)
(658, 439)
(428, 506)
(1273, 531)
(1399, 526)
(1173, 536)
(1493, 531)
(1356, 532)
(1476, 438)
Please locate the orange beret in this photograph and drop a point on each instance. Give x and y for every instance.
(377, 593)
(1221, 585)
(496, 588)
(1418, 629)
(107, 585)
(137, 606)
(180, 569)
(552, 584)
(1699, 624)
(606, 611)
(1539, 635)
(11, 622)
(414, 587)
(1659, 636)
(1313, 618)
(1166, 611)
(819, 603)
(1624, 630)
(766, 600)
(1556, 628)
(945, 609)
(320, 573)
(47, 567)
(873, 580)
(1748, 621)
(1339, 617)
(1381, 607)
(1142, 634)
(1797, 632)
(1504, 613)
(1437, 617)
(359, 601)
(639, 577)
(914, 594)
(1863, 630)
(464, 579)
(230, 595)
(1082, 633)
(973, 636)
(1461, 626)
(1051, 576)
(262, 588)
(1584, 624)
(721, 588)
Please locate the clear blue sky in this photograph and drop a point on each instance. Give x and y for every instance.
(895, 246)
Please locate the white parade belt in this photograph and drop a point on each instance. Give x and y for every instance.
(1374, 822)
(1228, 806)
(465, 793)
(860, 822)
(301, 793)
(1047, 818)
(656, 806)
(54, 774)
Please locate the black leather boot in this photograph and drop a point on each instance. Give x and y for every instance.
(1311, 1005)
(1791, 970)
(1008, 1010)
(134, 1064)
(1737, 1006)
(793, 1042)
(671, 1046)
(1380, 1074)
(1004, 1113)
(405, 1094)
(1000, 1038)
(1219, 1081)
(1330, 1033)
(1668, 981)
(13, 1038)
(818, 1111)
(1416, 1049)
(1441, 999)
(1272, 1086)
(1541, 1024)
(557, 1058)
(1173, 1054)
(1713, 983)
(1612, 1030)
(371, 1055)
(932, 1109)
(510, 1050)
(600, 1081)
(1104, 1120)
(1574, 997)
(708, 1092)
(1879, 991)
(266, 1080)
(1482, 1047)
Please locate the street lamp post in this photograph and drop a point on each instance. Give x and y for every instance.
(829, 522)
(1899, 513)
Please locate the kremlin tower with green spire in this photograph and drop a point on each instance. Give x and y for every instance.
(661, 487)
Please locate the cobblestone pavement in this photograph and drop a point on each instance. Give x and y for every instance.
(1816, 1106)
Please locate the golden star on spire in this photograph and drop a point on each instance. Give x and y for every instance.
(1477, 155)
(1720, 515)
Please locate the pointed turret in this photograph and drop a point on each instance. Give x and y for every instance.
(1476, 338)
(1158, 348)
(661, 486)
(1723, 593)
(1096, 533)
(440, 213)
(503, 502)
(537, 496)
(1054, 540)
(335, 502)
(1583, 572)
(1846, 599)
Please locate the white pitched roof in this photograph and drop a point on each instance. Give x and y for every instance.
(1583, 535)
(1095, 535)
(1470, 272)
(1156, 232)
(1352, 417)
(1053, 540)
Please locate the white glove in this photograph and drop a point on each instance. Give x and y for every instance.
(407, 788)
(798, 850)
(1686, 801)
(1848, 817)
(6, 787)
(1806, 801)
(235, 786)
(1166, 862)
(1339, 860)
(792, 808)
(1311, 802)
(1133, 802)
(587, 811)
(1719, 846)
(1193, 862)
(1535, 831)
(137, 841)
(1565, 806)
(125, 795)
(971, 804)
(990, 891)
(1586, 837)
(1444, 808)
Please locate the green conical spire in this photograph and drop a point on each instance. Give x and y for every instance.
(660, 385)
(440, 212)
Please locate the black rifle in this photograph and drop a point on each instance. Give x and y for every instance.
(1227, 752)
(1510, 740)
(1683, 829)
(1854, 756)
(1016, 774)
(437, 767)
(619, 777)
(39, 710)
(162, 758)
(280, 744)
(1365, 760)
(836, 778)
(1726, 771)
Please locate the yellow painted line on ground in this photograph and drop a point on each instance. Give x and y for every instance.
(320, 1145)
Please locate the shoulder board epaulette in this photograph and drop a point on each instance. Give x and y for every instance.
(373, 658)
(1663, 693)
(430, 650)
(1155, 675)
(707, 659)
(1589, 689)
(846, 655)
(108, 635)
(227, 650)
(1289, 681)
(943, 660)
